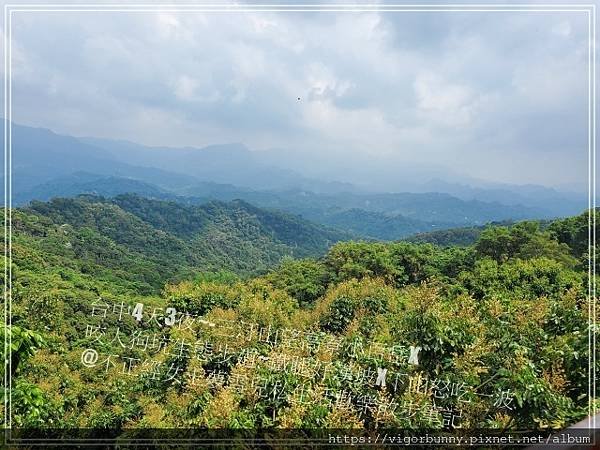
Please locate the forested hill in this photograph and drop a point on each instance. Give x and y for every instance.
(506, 319)
(140, 244)
(464, 236)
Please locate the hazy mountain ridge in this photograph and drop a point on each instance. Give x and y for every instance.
(380, 216)
(236, 164)
(47, 165)
(40, 155)
(220, 163)
(563, 203)
(87, 183)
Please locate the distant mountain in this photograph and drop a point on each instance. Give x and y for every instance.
(379, 216)
(311, 171)
(223, 163)
(553, 203)
(147, 241)
(378, 225)
(78, 183)
(48, 165)
(39, 156)
(433, 208)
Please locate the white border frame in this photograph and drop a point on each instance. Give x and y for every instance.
(9, 9)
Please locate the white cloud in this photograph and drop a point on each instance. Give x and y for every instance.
(427, 87)
(442, 102)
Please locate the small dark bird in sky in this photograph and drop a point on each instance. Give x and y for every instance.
(298, 98)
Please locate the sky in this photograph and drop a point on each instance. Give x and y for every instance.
(500, 96)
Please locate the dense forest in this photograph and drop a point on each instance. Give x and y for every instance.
(129, 312)
(137, 244)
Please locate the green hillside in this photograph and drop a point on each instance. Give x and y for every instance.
(377, 225)
(140, 244)
(502, 323)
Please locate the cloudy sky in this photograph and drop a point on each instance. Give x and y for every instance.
(497, 95)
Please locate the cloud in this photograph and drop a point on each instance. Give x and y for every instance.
(486, 94)
(441, 102)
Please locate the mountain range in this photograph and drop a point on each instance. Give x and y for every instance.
(148, 242)
(46, 165)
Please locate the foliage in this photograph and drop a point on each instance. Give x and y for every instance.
(305, 279)
(508, 314)
(140, 244)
